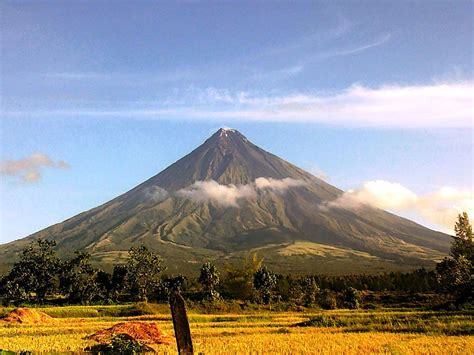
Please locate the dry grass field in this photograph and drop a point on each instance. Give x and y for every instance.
(328, 332)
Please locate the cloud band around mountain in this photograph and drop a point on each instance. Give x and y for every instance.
(229, 195)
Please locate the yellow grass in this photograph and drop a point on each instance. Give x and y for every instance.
(271, 332)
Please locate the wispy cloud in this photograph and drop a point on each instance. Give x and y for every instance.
(353, 50)
(343, 27)
(316, 171)
(300, 52)
(277, 185)
(312, 55)
(440, 207)
(129, 78)
(422, 106)
(77, 75)
(29, 169)
(393, 106)
(155, 194)
(277, 74)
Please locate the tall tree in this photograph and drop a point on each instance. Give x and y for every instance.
(143, 270)
(456, 274)
(264, 282)
(209, 279)
(463, 244)
(310, 291)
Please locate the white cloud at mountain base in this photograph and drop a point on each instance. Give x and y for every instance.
(440, 207)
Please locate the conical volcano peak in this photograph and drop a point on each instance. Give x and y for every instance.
(227, 135)
(227, 129)
(227, 157)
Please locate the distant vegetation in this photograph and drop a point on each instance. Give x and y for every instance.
(40, 276)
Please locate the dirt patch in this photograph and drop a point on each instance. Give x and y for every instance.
(145, 333)
(27, 315)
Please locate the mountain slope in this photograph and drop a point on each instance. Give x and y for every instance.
(228, 197)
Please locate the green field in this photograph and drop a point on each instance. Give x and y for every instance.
(390, 331)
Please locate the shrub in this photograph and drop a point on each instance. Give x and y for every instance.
(121, 344)
(322, 321)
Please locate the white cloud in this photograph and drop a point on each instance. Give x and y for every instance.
(348, 51)
(440, 207)
(443, 206)
(155, 194)
(437, 105)
(304, 44)
(380, 193)
(77, 75)
(225, 195)
(277, 185)
(29, 169)
(316, 171)
(277, 74)
(229, 195)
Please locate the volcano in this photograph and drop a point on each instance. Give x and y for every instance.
(229, 198)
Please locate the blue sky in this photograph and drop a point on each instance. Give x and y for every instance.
(99, 96)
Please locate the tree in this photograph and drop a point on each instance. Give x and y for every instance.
(455, 274)
(118, 282)
(452, 273)
(143, 270)
(327, 299)
(238, 283)
(172, 284)
(12, 291)
(310, 290)
(209, 279)
(264, 282)
(79, 279)
(104, 281)
(463, 244)
(350, 298)
(35, 273)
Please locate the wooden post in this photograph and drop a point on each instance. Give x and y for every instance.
(181, 324)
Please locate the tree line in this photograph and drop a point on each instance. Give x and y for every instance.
(40, 275)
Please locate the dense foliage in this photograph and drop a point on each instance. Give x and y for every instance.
(35, 273)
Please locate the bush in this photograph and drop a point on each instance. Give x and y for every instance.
(121, 344)
(322, 321)
(140, 309)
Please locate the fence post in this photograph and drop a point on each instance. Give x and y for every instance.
(181, 324)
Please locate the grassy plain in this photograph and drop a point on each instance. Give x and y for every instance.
(385, 331)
